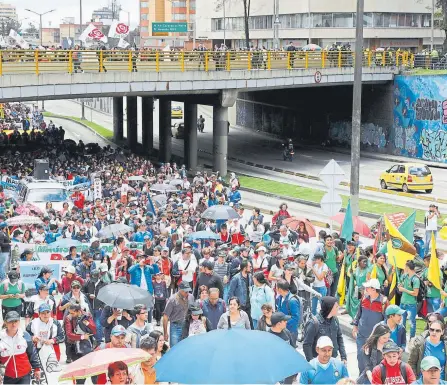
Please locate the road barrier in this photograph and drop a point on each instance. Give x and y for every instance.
(74, 61)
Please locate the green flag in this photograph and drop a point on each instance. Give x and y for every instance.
(406, 229)
(348, 225)
(352, 300)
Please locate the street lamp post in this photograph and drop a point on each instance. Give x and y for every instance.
(276, 24)
(80, 32)
(432, 24)
(40, 20)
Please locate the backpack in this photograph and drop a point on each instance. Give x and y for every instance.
(300, 304)
(422, 289)
(403, 371)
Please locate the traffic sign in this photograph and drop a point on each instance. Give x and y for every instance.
(331, 203)
(169, 27)
(332, 174)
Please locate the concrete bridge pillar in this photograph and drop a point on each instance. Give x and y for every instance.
(118, 118)
(220, 140)
(190, 142)
(147, 119)
(164, 112)
(132, 122)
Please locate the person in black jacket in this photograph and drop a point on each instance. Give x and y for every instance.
(208, 278)
(91, 290)
(5, 249)
(324, 324)
(111, 317)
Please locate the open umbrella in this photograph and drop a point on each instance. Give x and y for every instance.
(204, 235)
(294, 222)
(114, 230)
(66, 242)
(124, 296)
(359, 226)
(24, 220)
(27, 208)
(311, 47)
(161, 200)
(180, 363)
(163, 188)
(136, 178)
(175, 182)
(220, 212)
(97, 362)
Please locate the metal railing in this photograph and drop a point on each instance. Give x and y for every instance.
(51, 61)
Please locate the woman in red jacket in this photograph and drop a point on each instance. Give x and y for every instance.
(280, 215)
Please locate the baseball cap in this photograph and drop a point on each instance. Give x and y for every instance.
(430, 362)
(390, 347)
(262, 248)
(44, 307)
(184, 286)
(165, 249)
(12, 316)
(70, 269)
(118, 330)
(75, 283)
(3, 225)
(394, 309)
(373, 282)
(43, 287)
(324, 342)
(278, 317)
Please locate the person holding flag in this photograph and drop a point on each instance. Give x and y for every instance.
(433, 293)
(356, 288)
(380, 271)
(409, 286)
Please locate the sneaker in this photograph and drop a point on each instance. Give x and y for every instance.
(69, 361)
(158, 323)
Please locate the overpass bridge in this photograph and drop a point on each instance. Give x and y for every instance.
(210, 78)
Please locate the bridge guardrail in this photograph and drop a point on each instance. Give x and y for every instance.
(75, 61)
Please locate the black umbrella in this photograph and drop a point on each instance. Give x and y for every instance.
(220, 212)
(124, 296)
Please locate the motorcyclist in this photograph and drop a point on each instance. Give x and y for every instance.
(288, 150)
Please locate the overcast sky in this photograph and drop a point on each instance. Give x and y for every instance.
(67, 8)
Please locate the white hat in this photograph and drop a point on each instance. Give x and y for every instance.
(373, 282)
(70, 269)
(324, 342)
(262, 248)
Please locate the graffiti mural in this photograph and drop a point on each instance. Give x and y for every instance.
(372, 136)
(420, 117)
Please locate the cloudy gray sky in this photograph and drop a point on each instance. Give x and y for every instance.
(66, 8)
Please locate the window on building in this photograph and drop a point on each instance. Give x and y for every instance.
(367, 19)
(144, 4)
(144, 16)
(426, 20)
(143, 29)
(178, 16)
(343, 20)
(401, 20)
(378, 20)
(322, 20)
(177, 3)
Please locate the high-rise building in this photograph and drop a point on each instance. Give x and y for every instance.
(180, 11)
(8, 11)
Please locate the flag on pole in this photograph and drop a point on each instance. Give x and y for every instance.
(150, 205)
(92, 32)
(118, 30)
(18, 39)
(123, 44)
(406, 229)
(348, 225)
(434, 272)
(374, 272)
(400, 250)
(341, 289)
(392, 294)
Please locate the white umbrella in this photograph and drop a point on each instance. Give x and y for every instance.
(23, 220)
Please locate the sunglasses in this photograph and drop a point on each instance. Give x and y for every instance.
(435, 330)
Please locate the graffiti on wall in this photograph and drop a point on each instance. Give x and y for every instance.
(420, 117)
(371, 135)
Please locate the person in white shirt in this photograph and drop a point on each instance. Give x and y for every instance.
(187, 266)
(91, 230)
(431, 225)
(255, 231)
(261, 262)
(320, 271)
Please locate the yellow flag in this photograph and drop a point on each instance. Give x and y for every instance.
(392, 294)
(374, 272)
(434, 272)
(399, 249)
(341, 289)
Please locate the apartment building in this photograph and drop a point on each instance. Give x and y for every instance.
(404, 24)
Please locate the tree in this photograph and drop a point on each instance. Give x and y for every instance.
(32, 30)
(442, 5)
(6, 24)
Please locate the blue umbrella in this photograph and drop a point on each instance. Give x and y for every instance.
(205, 235)
(267, 359)
(66, 242)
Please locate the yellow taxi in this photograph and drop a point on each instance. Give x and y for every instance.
(407, 177)
(176, 112)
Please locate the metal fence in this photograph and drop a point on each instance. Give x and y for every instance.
(52, 61)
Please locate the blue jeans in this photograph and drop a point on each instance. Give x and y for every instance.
(315, 300)
(428, 239)
(99, 332)
(3, 261)
(360, 341)
(433, 304)
(226, 292)
(412, 309)
(442, 311)
(255, 324)
(175, 333)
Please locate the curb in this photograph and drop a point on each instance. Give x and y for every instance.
(346, 184)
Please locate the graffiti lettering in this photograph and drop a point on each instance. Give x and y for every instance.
(427, 109)
(444, 112)
(371, 134)
(434, 145)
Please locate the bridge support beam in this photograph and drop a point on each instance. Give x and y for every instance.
(147, 120)
(164, 128)
(190, 141)
(220, 139)
(132, 122)
(118, 118)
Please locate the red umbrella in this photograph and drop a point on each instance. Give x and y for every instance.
(359, 226)
(294, 223)
(97, 362)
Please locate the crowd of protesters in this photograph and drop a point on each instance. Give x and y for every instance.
(248, 273)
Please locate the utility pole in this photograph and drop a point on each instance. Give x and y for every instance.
(357, 110)
(276, 24)
(80, 32)
(225, 23)
(432, 43)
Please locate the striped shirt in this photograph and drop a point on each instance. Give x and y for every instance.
(221, 270)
